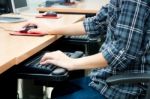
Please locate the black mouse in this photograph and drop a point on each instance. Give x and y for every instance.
(50, 13)
(28, 27)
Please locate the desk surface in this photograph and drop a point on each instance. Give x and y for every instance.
(16, 49)
(81, 7)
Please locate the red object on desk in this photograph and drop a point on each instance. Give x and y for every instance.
(18, 33)
(49, 14)
(24, 31)
(50, 17)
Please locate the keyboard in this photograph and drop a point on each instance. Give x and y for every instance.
(33, 69)
(80, 37)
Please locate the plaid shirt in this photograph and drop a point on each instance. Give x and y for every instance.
(126, 24)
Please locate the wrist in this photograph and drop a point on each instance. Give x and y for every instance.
(53, 31)
(73, 65)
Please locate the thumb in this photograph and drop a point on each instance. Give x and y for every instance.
(37, 31)
(34, 30)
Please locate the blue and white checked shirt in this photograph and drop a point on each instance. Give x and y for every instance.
(126, 24)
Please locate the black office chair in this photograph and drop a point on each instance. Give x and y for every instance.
(131, 78)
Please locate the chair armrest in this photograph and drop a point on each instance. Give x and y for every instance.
(128, 78)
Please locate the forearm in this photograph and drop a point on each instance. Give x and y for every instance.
(89, 62)
(73, 29)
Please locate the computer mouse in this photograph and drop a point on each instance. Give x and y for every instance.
(50, 13)
(27, 28)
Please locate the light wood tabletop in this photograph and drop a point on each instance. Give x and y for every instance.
(80, 7)
(16, 49)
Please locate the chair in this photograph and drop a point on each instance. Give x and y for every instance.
(131, 78)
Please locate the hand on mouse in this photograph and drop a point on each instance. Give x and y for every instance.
(27, 28)
(33, 27)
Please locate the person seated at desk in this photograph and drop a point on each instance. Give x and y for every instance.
(126, 24)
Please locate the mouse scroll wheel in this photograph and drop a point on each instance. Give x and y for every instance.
(31, 27)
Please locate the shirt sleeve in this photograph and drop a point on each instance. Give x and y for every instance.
(94, 26)
(128, 35)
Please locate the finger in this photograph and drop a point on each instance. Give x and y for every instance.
(35, 31)
(48, 61)
(45, 57)
(49, 55)
(29, 24)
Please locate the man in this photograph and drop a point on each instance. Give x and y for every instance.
(126, 24)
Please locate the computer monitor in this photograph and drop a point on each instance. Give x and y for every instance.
(19, 5)
(5, 6)
(57, 2)
(9, 6)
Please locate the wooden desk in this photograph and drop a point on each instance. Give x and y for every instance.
(16, 49)
(81, 7)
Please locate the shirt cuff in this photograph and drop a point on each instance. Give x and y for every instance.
(91, 28)
(116, 59)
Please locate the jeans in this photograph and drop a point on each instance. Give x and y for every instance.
(76, 89)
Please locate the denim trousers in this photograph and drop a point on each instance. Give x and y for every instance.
(76, 89)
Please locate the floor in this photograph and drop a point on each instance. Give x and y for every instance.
(27, 90)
